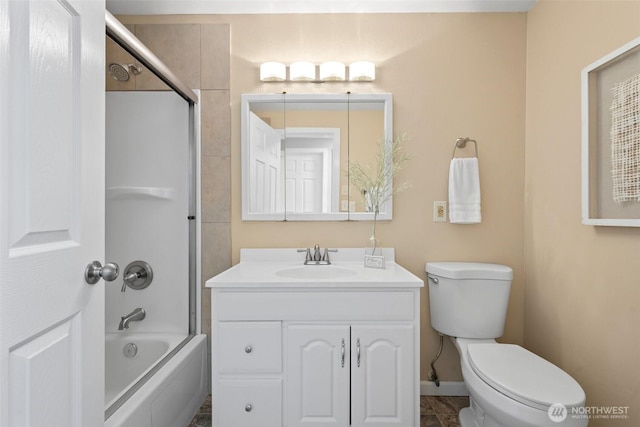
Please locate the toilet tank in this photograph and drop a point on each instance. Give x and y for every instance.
(468, 300)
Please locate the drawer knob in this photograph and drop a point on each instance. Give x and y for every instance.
(248, 408)
(248, 349)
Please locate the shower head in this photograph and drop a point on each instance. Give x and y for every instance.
(121, 72)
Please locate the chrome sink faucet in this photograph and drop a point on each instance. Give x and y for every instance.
(135, 316)
(317, 258)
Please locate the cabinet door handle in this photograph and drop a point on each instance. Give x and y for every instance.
(358, 351)
(248, 408)
(248, 349)
(342, 352)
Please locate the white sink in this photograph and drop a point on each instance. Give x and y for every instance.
(315, 272)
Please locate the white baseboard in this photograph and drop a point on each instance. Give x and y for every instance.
(447, 388)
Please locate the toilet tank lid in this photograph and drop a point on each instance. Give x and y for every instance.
(469, 270)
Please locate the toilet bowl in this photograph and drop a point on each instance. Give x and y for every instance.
(508, 385)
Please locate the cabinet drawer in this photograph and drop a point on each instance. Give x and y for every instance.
(249, 347)
(249, 403)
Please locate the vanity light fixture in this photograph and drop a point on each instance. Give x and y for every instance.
(364, 71)
(332, 71)
(302, 71)
(273, 72)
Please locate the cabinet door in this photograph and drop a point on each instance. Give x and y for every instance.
(317, 375)
(382, 376)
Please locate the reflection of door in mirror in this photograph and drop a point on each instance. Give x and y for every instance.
(319, 125)
(304, 183)
(313, 170)
(264, 167)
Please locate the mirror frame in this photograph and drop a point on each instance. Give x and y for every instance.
(247, 100)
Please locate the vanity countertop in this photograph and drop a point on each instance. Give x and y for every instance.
(284, 268)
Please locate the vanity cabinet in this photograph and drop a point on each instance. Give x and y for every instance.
(339, 350)
(315, 357)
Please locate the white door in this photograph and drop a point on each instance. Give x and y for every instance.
(51, 212)
(317, 375)
(382, 376)
(264, 166)
(304, 181)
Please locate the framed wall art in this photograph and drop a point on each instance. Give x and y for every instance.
(611, 138)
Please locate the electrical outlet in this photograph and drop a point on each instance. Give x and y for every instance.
(344, 205)
(439, 211)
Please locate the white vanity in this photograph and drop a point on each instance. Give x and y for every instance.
(315, 345)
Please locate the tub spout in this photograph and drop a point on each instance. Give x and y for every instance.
(135, 316)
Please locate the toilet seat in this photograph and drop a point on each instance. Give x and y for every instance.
(524, 376)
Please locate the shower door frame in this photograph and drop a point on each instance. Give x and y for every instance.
(130, 43)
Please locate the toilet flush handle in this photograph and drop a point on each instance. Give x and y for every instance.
(434, 280)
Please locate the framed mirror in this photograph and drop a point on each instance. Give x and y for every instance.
(296, 149)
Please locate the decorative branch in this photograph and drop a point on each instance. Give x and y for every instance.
(377, 182)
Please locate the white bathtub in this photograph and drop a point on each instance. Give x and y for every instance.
(171, 396)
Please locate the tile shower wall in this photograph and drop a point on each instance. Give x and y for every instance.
(199, 56)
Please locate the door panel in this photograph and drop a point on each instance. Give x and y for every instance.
(304, 181)
(382, 385)
(51, 212)
(43, 166)
(265, 168)
(42, 379)
(317, 378)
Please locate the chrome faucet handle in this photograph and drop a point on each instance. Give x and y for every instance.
(308, 256)
(325, 257)
(316, 253)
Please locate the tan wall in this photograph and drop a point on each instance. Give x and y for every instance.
(582, 299)
(451, 75)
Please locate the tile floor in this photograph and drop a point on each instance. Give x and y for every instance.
(435, 411)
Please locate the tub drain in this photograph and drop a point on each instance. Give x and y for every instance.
(130, 350)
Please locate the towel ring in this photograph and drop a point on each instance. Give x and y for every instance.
(461, 143)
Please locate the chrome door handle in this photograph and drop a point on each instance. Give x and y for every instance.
(343, 352)
(358, 351)
(95, 271)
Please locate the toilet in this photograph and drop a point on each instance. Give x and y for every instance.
(508, 385)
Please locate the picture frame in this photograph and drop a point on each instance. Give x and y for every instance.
(604, 201)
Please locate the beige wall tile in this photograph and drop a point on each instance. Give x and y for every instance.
(215, 56)
(216, 253)
(205, 304)
(216, 188)
(216, 123)
(178, 46)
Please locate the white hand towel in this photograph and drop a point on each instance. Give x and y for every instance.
(464, 191)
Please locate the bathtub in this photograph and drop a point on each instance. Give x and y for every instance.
(170, 396)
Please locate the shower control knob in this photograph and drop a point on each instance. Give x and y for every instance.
(248, 408)
(95, 271)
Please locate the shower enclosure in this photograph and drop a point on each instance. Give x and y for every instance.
(155, 360)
